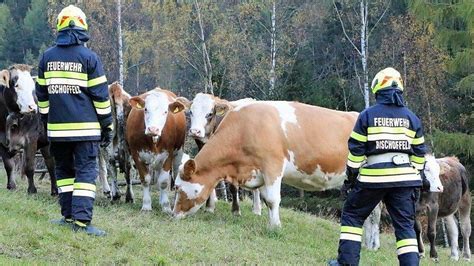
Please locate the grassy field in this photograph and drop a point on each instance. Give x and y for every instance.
(26, 236)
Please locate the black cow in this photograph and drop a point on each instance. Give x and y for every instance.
(20, 126)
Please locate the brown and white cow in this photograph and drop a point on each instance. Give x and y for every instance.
(206, 112)
(455, 197)
(117, 153)
(156, 130)
(20, 126)
(261, 144)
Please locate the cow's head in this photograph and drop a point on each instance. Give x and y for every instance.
(205, 111)
(19, 92)
(119, 99)
(432, 172)
(191, 190)
(156, 106)
(20, 130)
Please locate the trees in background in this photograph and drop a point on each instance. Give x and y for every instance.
(276, 49)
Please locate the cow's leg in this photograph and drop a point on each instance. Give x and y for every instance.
(146, 205)
(432, 217)
(29, 165)
(211, 202)
(271, 193)
(129, 194)
(112, 168)
(453, 235)
(257, 205)
(419, 238)
(103, 172)
(9, 164)
(235, 199)
(465, 220)
(178, 157)
(163, 185)
(49, 161)
(145, 179)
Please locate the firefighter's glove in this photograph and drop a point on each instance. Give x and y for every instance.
(346, 188)
(352, 174)
(106, 136)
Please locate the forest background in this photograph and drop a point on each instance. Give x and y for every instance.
(320, 52)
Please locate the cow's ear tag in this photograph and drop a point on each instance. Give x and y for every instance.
(139, 106)
(220, 112)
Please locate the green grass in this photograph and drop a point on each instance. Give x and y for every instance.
(26, 236)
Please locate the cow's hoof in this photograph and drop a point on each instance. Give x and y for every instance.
(435, 260)
(454, 258)
(236, 213)
(32, 190)
(146, 209)
(11, 186)
(54, 193)
(167, 210)
(107, 194)
(467, 259)
(274, 227)
(128, 200)
(421, 255)
(257, 212)
(116, 197)
(210, 209)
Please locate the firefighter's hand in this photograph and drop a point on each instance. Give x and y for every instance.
(346, 188)
(106, 137)
(352, 174)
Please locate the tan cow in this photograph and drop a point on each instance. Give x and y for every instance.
(155, 134)
(261, 144)
(205, 118)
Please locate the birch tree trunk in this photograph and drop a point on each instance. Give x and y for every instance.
(271, 93)
(120, 43)
(363, 49)
(205, 55)
(371, 238)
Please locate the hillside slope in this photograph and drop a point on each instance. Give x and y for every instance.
(26, 236)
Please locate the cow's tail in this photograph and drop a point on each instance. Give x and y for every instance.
(464, 179)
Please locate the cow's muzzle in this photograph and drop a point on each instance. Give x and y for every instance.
(196, 133)
(30, 109)
(153, 132)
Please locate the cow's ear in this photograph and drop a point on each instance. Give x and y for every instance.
(189, 169)
(4, 77)
(443, 168)
(176, 107)
(115, 90)
(184, 101)
(137, 102)
(222, 109)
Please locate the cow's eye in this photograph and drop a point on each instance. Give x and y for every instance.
(146, 110)
(166, 112)
(209, 115)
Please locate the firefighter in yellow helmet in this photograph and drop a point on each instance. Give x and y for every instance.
(74, 102)
(385, 163)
